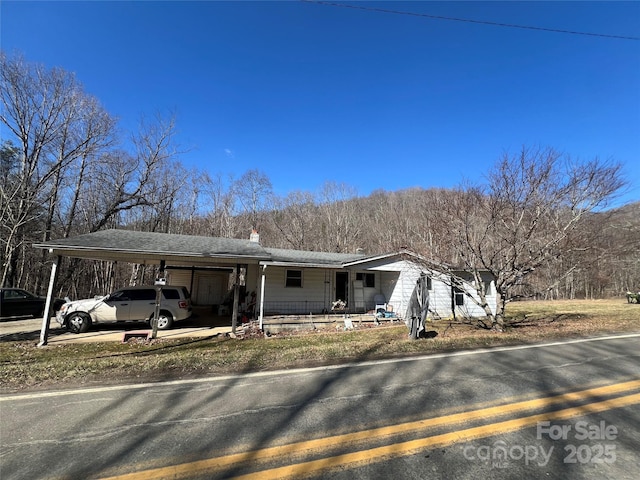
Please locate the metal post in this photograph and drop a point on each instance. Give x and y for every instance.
(236, 295)
(262, 295)
(46, 314)
(160, 281)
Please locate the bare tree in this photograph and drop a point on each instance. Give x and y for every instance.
(219, 205)
(54, 123)
(523, 218)
(293, 220)
(254, 192)
(167, 198)
(340, 219)
(119, 182)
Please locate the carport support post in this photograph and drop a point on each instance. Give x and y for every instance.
(46, 314)
(264, 267)
(236, 295)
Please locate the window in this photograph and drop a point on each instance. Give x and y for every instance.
(120, 296)
(293, 278)
(13, 294)
(458, 297)
(368, 279)
(148, 294)
(171, 293)
(486, 284)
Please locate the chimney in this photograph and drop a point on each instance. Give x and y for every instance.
(255, 236)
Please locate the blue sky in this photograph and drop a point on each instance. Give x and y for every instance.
(309, 93)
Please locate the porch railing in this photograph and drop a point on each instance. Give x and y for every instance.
(310, 307)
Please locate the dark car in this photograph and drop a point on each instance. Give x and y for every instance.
(15, 302)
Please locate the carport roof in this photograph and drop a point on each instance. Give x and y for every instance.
(151, 247)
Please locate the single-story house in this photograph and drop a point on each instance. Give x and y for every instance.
(275, 281)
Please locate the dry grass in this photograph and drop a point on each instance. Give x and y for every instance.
(24, 366)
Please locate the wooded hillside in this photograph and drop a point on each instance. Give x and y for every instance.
(65, 170)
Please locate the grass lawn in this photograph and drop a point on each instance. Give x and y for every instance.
(25, 366)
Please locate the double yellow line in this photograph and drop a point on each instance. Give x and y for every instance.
(404, 448)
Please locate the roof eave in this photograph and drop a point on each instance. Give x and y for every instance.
(84, 252)
(370, 259)
(300, 264)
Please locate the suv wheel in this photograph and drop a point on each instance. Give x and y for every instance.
(165, 320)
(78, 322)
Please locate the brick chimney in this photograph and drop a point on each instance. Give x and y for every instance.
(255, 236)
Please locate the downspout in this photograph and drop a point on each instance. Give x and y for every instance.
(263, 280)
(46, 314)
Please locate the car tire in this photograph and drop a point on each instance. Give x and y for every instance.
(165, 320)
(78, 322)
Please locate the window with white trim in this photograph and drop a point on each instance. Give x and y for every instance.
(458, 297)
(368, 279)
(293, 278)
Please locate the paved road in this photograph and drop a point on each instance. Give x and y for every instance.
(561, 411)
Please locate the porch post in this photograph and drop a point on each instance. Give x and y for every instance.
(46, 314)
(264, 267)
(236, 295)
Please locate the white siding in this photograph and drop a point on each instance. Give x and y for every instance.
(398, 280)
(395, 280)
(439, 297)
(179, 277)
(381, 281)
(253, 278)
(315, 294)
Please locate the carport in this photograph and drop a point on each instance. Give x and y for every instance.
(150, 248)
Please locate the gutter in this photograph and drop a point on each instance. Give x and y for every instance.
(57, 249)
(301, 265)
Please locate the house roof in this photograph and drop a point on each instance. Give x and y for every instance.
(151, 247)
(302, 257)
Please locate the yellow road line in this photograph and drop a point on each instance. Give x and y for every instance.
(411, 447)
(212, 464)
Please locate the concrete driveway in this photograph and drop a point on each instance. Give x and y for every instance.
(201, 324)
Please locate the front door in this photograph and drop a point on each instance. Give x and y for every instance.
(342, 287)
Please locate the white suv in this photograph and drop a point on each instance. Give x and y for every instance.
(127, 304)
